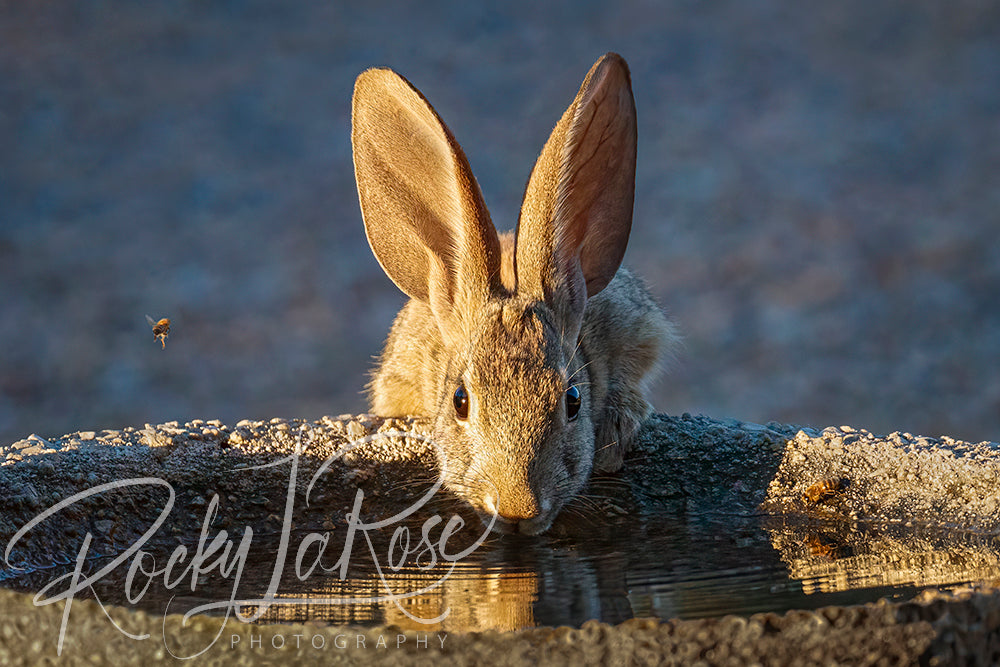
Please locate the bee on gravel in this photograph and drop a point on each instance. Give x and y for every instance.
(825, 490)
(161, 329)
(827, 547)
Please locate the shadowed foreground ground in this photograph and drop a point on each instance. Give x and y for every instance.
(940, 629)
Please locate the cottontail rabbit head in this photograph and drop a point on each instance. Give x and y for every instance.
(503, 343)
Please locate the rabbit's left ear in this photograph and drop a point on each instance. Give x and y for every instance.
(577, 210)
(424, 213)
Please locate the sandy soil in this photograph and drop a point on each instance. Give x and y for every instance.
(816, 201)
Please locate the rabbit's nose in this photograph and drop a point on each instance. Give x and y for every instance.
(524, 525)
(513, 505)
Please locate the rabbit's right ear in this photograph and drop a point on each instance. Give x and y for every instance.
(424, 213)
(577, 210)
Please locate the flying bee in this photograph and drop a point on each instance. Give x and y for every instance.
(825, 490)
(161, 329)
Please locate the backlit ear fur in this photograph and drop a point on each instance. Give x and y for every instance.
(424, 213)
(577, 210)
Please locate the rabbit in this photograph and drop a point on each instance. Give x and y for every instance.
(530, 351)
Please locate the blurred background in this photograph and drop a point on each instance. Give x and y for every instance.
(817, 201)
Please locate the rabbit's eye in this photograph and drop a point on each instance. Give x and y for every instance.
(461, 401)
(572, 403)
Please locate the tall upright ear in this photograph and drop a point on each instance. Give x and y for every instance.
(577, 210)
(424, 213)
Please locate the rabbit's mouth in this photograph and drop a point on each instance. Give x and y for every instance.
(534, 526)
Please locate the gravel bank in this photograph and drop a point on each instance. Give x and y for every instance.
(685, 464)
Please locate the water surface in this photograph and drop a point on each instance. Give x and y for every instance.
(654, 566)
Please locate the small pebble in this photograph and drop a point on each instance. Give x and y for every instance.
(356, 431)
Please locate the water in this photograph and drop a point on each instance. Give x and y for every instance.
(654, 566)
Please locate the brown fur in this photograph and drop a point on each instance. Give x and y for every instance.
(515, 320)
